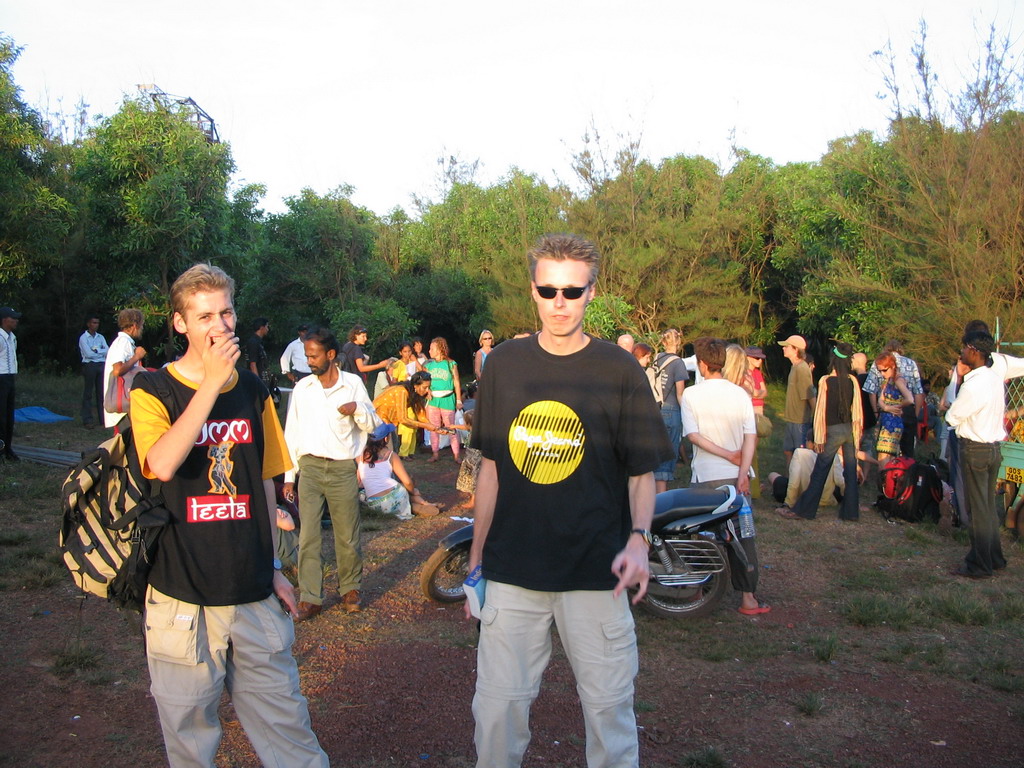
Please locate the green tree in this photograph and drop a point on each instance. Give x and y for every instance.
(929, 221)
(485, 233)
(33, 217)
(157, 201)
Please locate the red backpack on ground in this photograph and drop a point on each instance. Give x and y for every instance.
(909, 491)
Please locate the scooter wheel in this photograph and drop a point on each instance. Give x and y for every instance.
(686, 602)
(442, 575)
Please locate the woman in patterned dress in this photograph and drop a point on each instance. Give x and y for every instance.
(891, 399)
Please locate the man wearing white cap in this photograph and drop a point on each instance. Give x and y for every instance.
(799, 396)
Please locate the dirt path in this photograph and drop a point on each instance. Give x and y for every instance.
(392, 686)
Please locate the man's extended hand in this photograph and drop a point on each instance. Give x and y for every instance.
(632, 569)
(347, 409)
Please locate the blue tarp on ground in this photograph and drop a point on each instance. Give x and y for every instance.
(37, 414)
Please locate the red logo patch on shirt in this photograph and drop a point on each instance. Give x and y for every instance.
(207, 509)
(232, 430)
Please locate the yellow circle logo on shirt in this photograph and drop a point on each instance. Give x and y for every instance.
(546, 442)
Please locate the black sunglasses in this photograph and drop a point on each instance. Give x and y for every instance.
(570, 293)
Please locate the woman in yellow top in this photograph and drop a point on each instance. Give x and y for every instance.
(404, 405)
(405, 366)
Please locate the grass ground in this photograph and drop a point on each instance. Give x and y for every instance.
(873, 655)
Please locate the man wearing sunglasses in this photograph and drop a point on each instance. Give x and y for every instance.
(570, 436)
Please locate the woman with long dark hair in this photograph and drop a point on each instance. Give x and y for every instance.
(838, 423)
(404, 405)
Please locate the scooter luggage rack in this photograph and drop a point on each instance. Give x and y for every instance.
(688, 562)
(694, 560)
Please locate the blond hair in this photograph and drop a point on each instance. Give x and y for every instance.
(736, 364)
(199, 278)
(671, 338)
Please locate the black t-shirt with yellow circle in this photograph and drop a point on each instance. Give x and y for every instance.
(566, 432)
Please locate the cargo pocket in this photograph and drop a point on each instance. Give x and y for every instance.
(172, 629)
(618, 636)
(277, 625)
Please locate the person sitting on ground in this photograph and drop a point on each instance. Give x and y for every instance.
(377, 469)
(893, 396)
(787, 489)
(287, 535)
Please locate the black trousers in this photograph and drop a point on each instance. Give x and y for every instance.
(742, 579)
(980, 463)
(908, 441)
(7, 410)
(92, 392)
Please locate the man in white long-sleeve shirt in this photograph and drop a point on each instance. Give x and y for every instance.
(977, 416)
(293, 359)
(329, 417)
(1003, 367)
(8, 375)
(93, 348)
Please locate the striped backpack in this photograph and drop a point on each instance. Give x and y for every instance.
(112, 518)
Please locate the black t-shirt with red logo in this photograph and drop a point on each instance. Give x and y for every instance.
(217, 549)
(566, 433)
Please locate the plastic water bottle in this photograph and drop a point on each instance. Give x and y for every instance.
(746, 520)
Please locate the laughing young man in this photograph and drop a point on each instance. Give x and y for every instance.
(217, 606)
(570, 436)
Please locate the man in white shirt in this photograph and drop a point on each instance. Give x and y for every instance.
(1005, 367)
(123, 355)
(293, 359)
(93, 348)
(977, 416)
(718, 419)
(8, 373)
(329, 417)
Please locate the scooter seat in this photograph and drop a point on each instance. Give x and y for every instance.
(686, 502)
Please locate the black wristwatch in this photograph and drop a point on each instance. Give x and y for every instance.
(645, 533)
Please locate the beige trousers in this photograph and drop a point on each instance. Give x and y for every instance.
(597, 633)
(195, 651)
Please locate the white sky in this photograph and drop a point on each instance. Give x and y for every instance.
(316, 93)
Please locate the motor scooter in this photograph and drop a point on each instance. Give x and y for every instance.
(691, 531)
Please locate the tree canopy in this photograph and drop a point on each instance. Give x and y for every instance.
(906, 235)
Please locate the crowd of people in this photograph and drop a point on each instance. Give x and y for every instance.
(562, 447)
